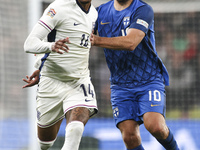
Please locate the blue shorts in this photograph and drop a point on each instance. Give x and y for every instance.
(130, 103)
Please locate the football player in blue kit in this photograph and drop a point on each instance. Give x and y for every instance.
(138, 76)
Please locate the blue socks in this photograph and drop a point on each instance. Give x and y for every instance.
(140, 147)
(169, 143)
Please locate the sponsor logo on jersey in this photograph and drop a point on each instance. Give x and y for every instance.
(142, 22)
(153, 105)
(51, 12)
(76, 24)
(103, 23)
(88, 100)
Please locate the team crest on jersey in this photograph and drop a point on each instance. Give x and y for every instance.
(116, 112)
(51, 12)
(126, 21)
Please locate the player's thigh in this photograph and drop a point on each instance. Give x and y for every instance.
(81, 114)
(49, 133)
(153, 118)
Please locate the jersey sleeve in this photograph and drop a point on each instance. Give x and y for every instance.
(35, 41)
(51, 16)
(143, 18)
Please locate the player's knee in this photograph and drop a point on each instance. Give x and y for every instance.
(158, 130)
(45, 145)
(75, 128)
(129, 137)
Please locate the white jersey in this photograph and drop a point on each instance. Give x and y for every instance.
(66, 18)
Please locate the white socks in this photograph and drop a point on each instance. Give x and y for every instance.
(45, 145)
(73, 134)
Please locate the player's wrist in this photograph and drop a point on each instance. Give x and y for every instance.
(52, 47)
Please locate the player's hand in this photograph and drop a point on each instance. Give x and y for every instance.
(60, 45)
(92, 39)
(32, 80)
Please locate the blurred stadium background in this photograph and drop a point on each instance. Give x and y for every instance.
(177, 26)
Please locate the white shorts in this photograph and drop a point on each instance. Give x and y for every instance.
(55, 98)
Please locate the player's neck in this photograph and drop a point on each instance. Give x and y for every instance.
(85, 4)
(122, 4)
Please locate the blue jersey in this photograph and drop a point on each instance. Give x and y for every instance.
(132, 68)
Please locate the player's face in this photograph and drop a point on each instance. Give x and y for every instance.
(122, 1)
(84, 1)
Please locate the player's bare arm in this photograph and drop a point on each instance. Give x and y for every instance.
(128, 42)
(32, 80)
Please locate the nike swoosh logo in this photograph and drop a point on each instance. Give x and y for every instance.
(88, 100)
(103, 23)
(76, 24)
(153, 105)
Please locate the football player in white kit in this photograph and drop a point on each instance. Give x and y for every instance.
(65, 89)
